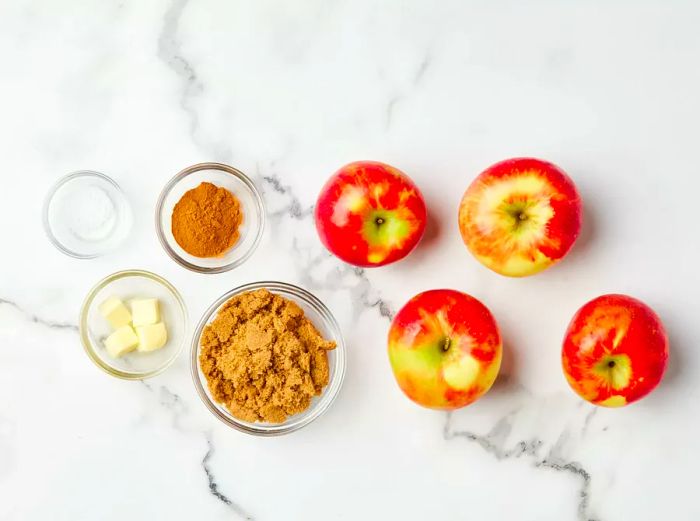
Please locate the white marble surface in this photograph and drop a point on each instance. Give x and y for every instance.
(288, 92)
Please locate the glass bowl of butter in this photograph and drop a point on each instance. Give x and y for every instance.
(133, 324)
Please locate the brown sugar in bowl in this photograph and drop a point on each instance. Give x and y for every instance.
(323, 321)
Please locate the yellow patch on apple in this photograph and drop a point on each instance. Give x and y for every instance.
(376, 257)
(379, 190)
(461, 373)
(352, 200)
(614, 401)
(527, 184)
(519, 266)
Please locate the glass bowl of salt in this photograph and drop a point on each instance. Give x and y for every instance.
(86, 215)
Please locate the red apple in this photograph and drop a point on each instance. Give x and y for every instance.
(615, 351)
(445, 349)
(370, 214)
(520, 216)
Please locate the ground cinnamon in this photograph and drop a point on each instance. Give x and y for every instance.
(206, 220)
(262, 358)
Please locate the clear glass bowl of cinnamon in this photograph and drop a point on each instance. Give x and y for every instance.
(211, 384)
(210, 217)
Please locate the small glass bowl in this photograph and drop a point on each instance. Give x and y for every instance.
(86, 214)
(326, 324)
(126, 285)
(235, 182)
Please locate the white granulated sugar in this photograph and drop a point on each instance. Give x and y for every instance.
(90, 214)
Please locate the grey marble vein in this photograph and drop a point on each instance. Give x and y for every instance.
(363, 291)
(172, 402)
(494, 442)
(577, 470)
(555, 461)
(389, 110)
(363, 295)
(423, 66)
(168, 399)
(294, 208)
(170, 52)
(587, 420)
(393, 101)
(37, 319)
(213, 485)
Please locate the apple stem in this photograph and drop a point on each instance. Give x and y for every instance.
(446, 344)
(611, 364)
(379, 221)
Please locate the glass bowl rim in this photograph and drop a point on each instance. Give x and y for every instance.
(330, 392)
(259, 205)
(88, 345)
(49, 197)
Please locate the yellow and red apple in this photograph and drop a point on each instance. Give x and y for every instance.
(370, 214)
(445, 349)
(520, 216)
(615, 351)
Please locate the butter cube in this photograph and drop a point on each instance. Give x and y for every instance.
(151, 337)
(115, 312)
(145, 311)
(122, 341)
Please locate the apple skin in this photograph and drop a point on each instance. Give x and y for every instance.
(445, 349)
(370, 214)
(520, 216)
(615, 351)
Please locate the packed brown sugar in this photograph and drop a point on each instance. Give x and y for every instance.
(262, 358)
